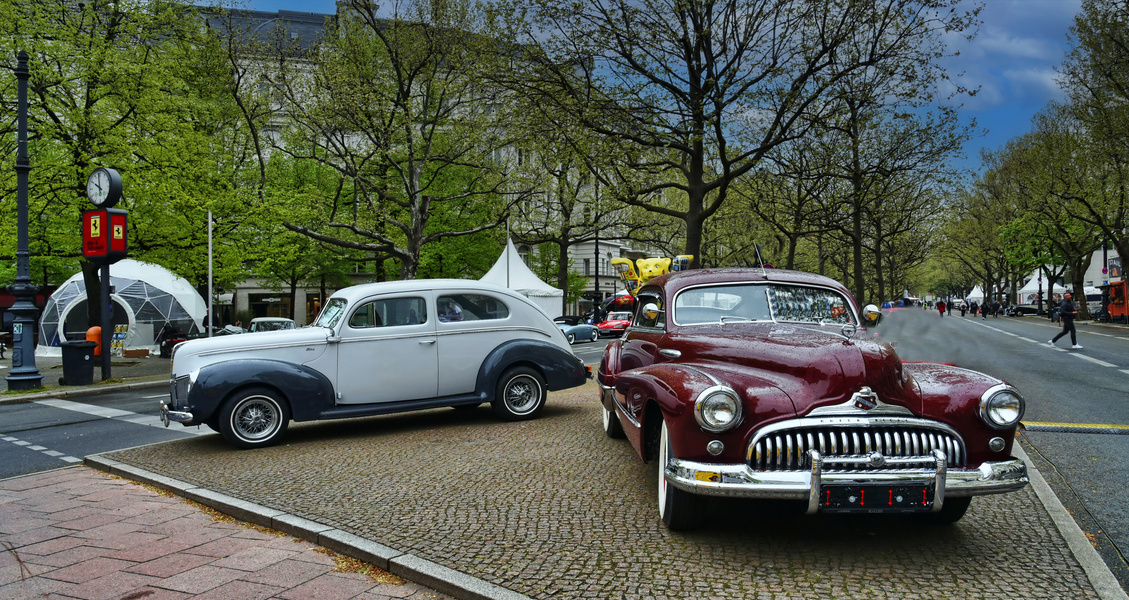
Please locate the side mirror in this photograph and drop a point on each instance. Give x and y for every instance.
(651, 311)
(871, 315)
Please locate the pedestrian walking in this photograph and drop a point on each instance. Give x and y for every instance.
(941, 308)
(1066, 312)
(963, 308)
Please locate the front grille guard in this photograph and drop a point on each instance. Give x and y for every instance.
(855, 443)
(934, 476)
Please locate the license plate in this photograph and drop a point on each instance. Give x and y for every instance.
(902, 498)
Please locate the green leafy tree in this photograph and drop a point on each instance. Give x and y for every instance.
(696, 93)
(396, 109)
(122, 85)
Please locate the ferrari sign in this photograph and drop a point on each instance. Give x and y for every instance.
(105, 235)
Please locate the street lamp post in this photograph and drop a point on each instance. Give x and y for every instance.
(24, 375)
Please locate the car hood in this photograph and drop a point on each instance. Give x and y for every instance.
(307, 343)
(813, 367)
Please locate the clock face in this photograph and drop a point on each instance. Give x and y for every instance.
(104, 187)
(98, 187)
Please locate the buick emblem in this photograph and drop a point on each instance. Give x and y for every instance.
(865, 399)
(875, 460)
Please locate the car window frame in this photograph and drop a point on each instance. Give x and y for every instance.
(642, 300)
(851, 309)
(372, 301)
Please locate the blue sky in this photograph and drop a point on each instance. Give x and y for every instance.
(1012, 60)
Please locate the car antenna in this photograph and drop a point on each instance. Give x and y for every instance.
(760, 261)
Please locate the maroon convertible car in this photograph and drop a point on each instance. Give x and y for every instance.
(757, 383)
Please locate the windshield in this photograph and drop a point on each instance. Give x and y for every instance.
(331, 314)
(761, 302)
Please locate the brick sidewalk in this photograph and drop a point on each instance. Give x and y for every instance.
(80, 533)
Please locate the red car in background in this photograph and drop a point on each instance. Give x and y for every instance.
(615, 324)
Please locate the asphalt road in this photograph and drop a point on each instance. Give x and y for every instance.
(52, 433)
(1088, 467)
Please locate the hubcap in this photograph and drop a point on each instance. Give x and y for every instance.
(522, 394)
(256, 419)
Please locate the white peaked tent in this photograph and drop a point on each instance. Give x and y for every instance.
(510, 271)
(1027, 294)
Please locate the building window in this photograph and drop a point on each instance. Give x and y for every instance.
(587, 266)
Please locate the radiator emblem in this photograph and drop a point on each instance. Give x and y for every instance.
(865, 399)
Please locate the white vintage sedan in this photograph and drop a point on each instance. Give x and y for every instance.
(375, 349)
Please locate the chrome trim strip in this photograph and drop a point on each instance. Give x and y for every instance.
(849, 408)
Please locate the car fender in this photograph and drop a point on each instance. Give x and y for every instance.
(560, 367)
(952, 395)
(609, 364)
(647, 395)
(307, 391)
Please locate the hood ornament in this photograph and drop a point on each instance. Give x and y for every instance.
(865, 399)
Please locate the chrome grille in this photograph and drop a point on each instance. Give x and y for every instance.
(785, 448)
(179, 390)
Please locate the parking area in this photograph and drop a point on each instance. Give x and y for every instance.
(551, 508)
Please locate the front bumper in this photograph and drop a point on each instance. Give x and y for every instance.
(178, 394)
(168, 415)
(740, 481)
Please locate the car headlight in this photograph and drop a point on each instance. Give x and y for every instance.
(717, 409)
(1001, 407)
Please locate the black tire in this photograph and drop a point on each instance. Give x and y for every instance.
(520, 394)
(951, 511)
(254, 418)
(679, 510)
(571, 337)
(612, 427)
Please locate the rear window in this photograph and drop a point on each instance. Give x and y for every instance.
(470, 307)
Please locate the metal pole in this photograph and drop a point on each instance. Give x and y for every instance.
(23, 376)
(107, 322)
(211, 316)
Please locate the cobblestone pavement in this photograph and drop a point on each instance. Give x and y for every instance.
(80, 533)
(551, 508)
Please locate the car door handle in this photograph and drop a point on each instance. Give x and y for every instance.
(427, 341)
(670, 353)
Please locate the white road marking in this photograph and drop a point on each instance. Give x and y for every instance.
(118, 415)
(52, 453)
(1094, 360)
(97, 411)
(1077, 354)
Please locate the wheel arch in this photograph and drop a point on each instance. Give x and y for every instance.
(218, 382)
(553, 363)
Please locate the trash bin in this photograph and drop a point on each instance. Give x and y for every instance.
(78, 363)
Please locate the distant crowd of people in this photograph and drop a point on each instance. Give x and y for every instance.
(1064, 312)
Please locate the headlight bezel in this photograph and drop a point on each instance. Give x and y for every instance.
(706, 401)
(994, 400)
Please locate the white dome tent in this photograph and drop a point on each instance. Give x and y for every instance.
(145, 297)
(510, 271)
